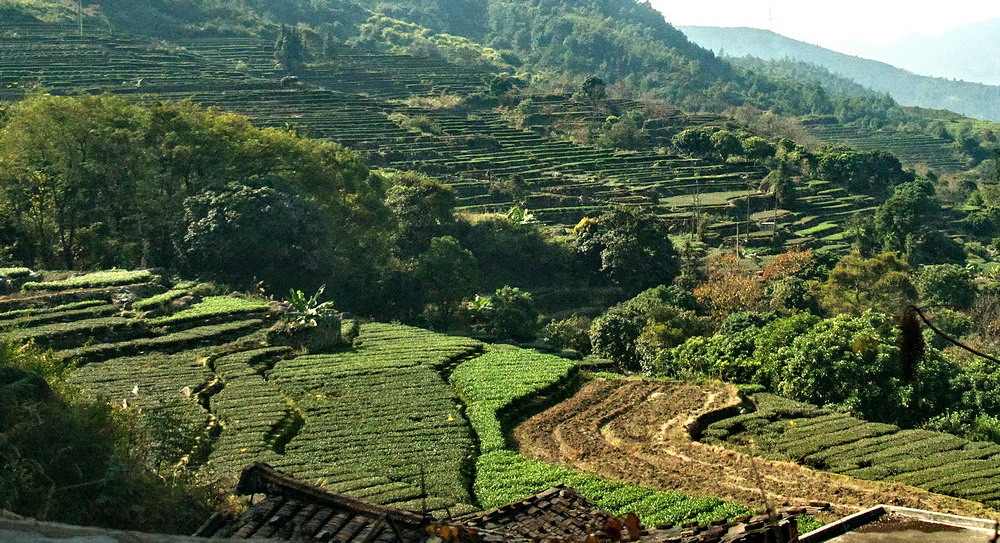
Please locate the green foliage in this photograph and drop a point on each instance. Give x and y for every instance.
(72, 459)
(858, 284)
(945, 284)
(96, 279)
(626, 132)
(289, 49)
(571, 333)
(724, 142)
(448, 273)
(633, 333)
(757, 148)
(419, 123)
(423, 207)
(910, 221)
(594, 89)
(504, 477)
(395, 36)
(308, 310)
(498, 381)
(866, 172)
(213, 307)
(847, 361)
(14, 273)
(508, 314)
(117, 177)
(632, 247)
(239, 232)
(180, 290)
(698, 141)
(515, 253)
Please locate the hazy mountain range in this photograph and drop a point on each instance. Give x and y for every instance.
(967, 53)
(907, 88)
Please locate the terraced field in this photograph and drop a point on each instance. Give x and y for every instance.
(506, 384)
(386, 419)
(54, 57)
(913, 150)
(376, 421)
(839, 443)
(358, 99)
(639, 431)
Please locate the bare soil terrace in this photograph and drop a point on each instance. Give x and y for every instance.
(637, 431)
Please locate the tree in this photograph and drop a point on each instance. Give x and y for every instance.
(858, 284)
(632, 246)
(625, 132)
(508, 314)
(726, 143)
(696, 141)
(289, 49)
(572, 333)
(867, 172)
(239, 232)
(98, 182)
(847, 361)
(910, 222)
(634, 332)
(594, 89)
(757, 148)
(447, 273)
(949, 285)
(422, 207)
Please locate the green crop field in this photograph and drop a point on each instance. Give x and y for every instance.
(496, 388)
(401, 412)
(836, 442)
(912, 149)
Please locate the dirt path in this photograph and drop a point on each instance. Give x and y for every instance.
(636, 431)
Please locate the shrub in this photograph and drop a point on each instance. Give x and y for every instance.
(572, 333)
(508, 314)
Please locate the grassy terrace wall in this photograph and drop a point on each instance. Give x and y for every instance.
(836, 442)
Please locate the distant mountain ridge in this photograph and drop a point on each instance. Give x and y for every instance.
(972, 99)
(962, 53)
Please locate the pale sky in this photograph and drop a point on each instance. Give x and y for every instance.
(833, 24)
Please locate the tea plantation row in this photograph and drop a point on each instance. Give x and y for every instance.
(836, 442)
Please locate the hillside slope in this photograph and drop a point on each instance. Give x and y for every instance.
(972, 99)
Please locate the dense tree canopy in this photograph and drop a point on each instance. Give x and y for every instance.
(631, 247)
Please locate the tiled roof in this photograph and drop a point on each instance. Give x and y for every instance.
(292, 510)
(558, 512)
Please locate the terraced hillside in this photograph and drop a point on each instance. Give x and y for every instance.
(839, 443)
(402, 416)
(639, 431)
(361, 99)
(201, 364)
(914, 150)
(56, 58)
